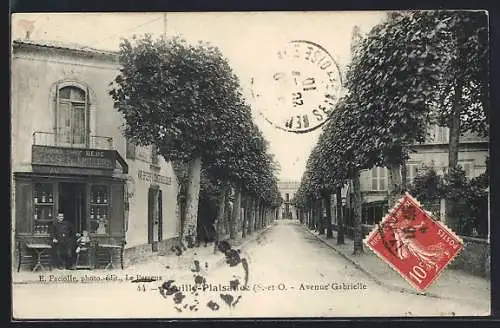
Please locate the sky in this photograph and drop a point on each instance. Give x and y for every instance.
(247, 40)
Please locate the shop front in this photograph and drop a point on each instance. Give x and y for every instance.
(85, 190)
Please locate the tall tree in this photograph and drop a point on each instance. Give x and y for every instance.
(393, 73)
(177, 96)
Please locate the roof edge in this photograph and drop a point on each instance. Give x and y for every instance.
(76, 49)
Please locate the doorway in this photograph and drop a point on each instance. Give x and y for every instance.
(72, 203)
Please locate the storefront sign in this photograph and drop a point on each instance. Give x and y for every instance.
(153, 177)
(72, 157)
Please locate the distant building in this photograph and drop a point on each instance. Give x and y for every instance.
(69, 155)
(288, 188)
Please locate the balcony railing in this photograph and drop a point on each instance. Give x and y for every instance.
(67, 140)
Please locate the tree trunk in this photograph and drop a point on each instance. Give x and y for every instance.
(257, 215)
(228, 212)
(221, 211)
(454, 135)
(251, 214)
(261, 216)
(310, 217)
(235, 216)
(453, 147)
(312, 225)
(358, 230)
(318, 215)
(328, 219)
(340, 217)
(393, 184)
(244, 221)
(404, 176)
(322, 215)
(192, 197)
(315, 217)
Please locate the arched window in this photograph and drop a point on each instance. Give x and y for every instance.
(72, 116)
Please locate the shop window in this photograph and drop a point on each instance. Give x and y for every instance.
(378, 178)
(99, 209)
(72, 116)
(43, 209)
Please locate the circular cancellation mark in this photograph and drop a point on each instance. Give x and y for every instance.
(299, 87)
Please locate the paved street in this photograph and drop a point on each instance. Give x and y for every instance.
(291, 274)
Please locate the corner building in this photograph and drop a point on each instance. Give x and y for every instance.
(69, 156)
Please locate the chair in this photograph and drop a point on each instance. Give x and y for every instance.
(87, 264)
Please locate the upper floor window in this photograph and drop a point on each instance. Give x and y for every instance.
(72, 125)
(378, 178)
(467, 167)
(411, 171)
(440, 134)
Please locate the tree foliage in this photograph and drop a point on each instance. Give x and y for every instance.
(427, 185)
(185, 100)
(401, 80)
(178, 96)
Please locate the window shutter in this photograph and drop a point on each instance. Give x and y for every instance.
(56, 108)
(24, 206)
(160, 215)
(56, 119)
(131, 149)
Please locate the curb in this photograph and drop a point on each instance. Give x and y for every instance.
(378, 281)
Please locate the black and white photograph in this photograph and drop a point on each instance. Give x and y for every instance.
(278, 164)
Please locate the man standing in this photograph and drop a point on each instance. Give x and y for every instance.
(62, 242)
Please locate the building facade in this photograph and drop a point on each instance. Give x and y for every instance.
(69, 155)
(472, 155)
(287, 189)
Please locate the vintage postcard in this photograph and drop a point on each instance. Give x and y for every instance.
(250, 164)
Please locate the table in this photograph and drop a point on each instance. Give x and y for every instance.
(39, 249)
(111, 248)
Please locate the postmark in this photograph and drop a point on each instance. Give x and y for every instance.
(299, 87)
(413, 243)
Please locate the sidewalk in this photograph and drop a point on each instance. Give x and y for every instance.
(451, 284)
(159, 265)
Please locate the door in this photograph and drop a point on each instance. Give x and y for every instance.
(153, 218)
(72, 203)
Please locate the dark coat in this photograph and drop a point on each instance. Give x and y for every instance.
(62, 231)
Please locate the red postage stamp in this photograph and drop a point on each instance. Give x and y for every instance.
(414, 243)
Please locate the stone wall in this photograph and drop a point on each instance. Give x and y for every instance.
(143, 253)
(474, 258)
